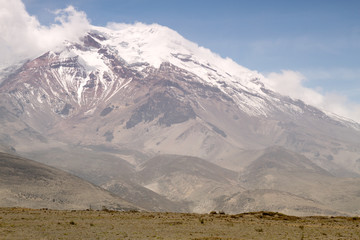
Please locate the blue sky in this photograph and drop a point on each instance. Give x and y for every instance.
(319, 40)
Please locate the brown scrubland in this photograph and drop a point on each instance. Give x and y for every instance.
(22, 223)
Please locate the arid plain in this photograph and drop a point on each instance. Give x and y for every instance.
(21, 223)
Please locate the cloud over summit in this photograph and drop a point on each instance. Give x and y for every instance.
(23, 36)
(291, 83)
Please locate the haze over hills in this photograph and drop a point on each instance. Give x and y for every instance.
(141, 111)
(25, 183)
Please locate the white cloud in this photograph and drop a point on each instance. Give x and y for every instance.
(290, 83)
(22, 36)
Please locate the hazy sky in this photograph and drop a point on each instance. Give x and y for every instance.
(311, 46)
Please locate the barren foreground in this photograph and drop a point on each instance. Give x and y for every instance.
(19, 223)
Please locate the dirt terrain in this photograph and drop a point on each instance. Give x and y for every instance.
(20, 223)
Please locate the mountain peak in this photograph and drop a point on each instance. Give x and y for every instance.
(156, 44)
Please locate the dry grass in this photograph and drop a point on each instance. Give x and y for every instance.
(19, 223)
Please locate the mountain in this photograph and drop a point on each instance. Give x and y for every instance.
(190, 179)
(121, 100)
(108, 171)
(281, 170)
(25, 183)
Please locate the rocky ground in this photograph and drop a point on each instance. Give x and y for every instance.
(20, 223)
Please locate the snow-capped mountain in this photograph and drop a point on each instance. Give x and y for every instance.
(140, 48)
(139, 91)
